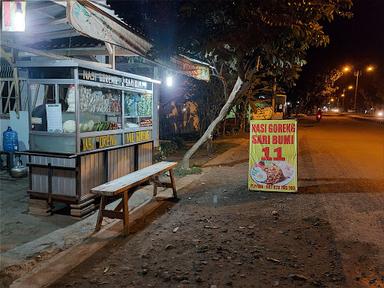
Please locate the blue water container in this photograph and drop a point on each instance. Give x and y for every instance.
(10, 141)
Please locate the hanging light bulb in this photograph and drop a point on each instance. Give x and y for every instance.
(19, 20)
(169, 81)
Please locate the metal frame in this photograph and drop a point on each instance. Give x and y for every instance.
(78, 154)
(10, 82)
(72, 63)
(77, 82)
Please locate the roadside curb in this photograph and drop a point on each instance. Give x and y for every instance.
(63, 262)
(379, 121)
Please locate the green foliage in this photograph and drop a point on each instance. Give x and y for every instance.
(320, 88)
(180, 172)
(166, 149)
(179, 142)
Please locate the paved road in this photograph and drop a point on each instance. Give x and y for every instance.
(342, 161)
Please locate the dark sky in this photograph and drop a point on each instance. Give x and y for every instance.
(358, 41)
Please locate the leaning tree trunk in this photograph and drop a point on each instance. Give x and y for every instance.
(211, 127)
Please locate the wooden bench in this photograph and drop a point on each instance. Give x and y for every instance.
(125, 186)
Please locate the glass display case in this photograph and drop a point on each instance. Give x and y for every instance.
(100, 109)
(137, 110)
(91, 109)
(88, 125)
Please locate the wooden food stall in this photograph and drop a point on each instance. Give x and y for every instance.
(88, 125)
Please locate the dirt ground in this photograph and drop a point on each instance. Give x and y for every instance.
(17, 226)
(330, 234)
(223, 236)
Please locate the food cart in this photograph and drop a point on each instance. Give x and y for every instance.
(88, 125)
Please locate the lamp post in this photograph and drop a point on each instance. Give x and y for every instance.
(344, 94)
(357, 73)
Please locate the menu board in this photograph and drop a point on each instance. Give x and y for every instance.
(54, 118)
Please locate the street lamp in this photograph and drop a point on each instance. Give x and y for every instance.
(370, 68)
(346, 68)
(350, 87)
(357, 73)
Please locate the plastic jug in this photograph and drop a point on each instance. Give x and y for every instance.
(10, 140)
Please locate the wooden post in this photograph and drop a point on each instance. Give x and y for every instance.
(50, 174)
(173, 183)
(155, 183)
(100, 216)
(112, 53)
(125, 214)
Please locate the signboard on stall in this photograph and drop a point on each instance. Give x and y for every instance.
(99, 142)
(273, 156)
(106, 141)
(138, 136)
(13, 16)
(100, 77)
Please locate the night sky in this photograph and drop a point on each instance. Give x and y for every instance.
(358, 41)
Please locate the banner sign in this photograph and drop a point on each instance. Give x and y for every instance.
(191, 67)
(273, 156)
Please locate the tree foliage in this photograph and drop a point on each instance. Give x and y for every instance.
(246, 41)
(319, 89)
(280, 32)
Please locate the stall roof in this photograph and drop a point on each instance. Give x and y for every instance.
(84, 29)
(77, 23)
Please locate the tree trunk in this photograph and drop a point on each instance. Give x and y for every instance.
(211, 127)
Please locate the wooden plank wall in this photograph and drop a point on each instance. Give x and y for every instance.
(120, 162)
(145, 155)
(92, 172)
(63, 181)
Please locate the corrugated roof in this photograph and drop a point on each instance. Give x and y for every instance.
(71, 42)
(47, 28)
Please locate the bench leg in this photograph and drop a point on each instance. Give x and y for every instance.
(125, 213)
(155, 181)
(100, 216)
(120, 205)
(173, 183)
